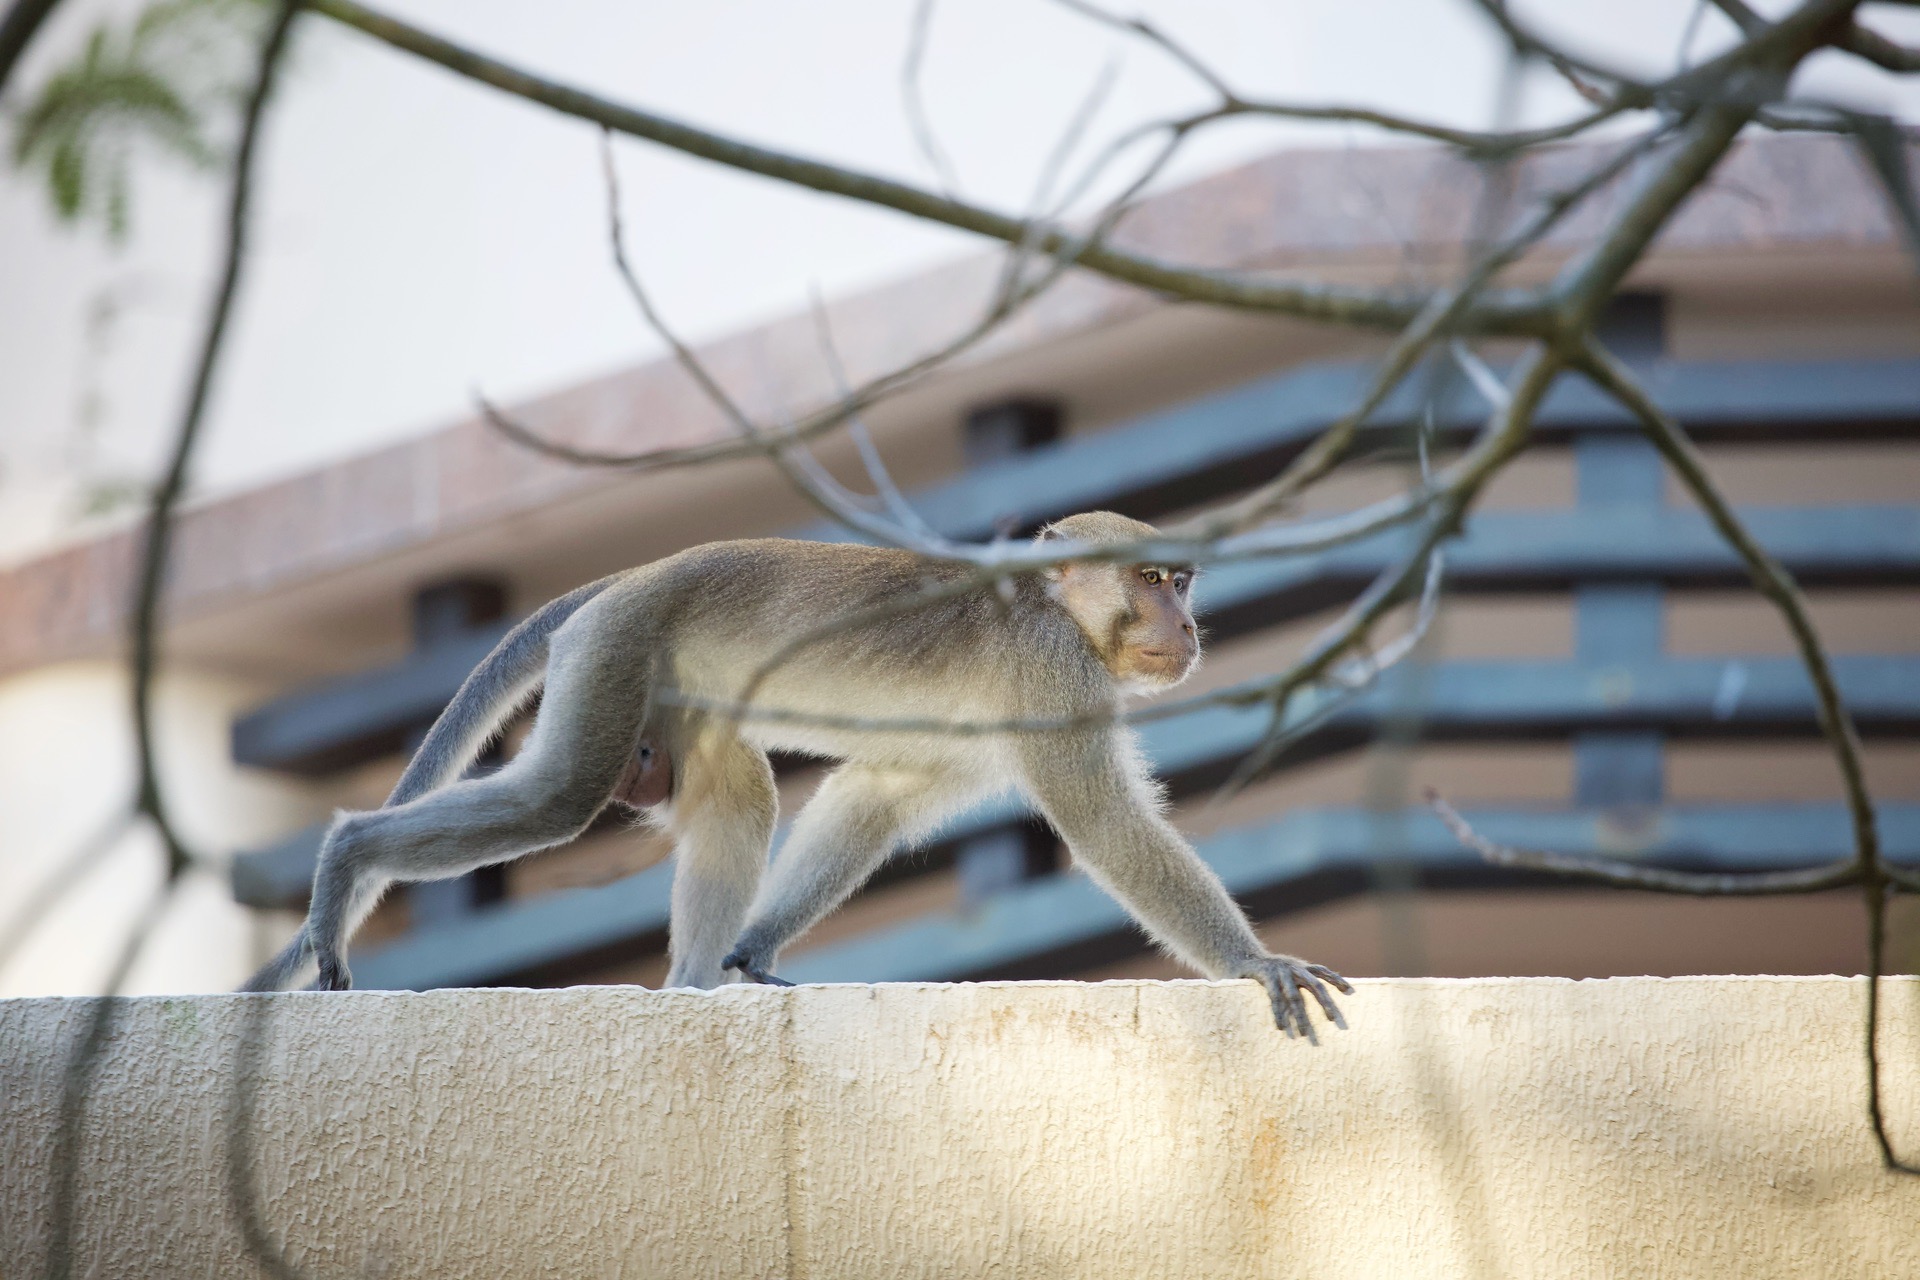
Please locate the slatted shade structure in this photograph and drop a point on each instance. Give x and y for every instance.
(1604, 701)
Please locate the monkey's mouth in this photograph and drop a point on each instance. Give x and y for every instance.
(1162, 668)
(1167, 655)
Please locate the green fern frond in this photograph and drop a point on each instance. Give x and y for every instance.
(166, 83)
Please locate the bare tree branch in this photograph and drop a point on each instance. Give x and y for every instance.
(1631, 875)
(158, 538)
(914, 107)
(17, 30)
(1877, 49)
(891, 498)
(1770, 579)
(1232, 103)
(1578, 71)
(1853, 37)
(1441, 317)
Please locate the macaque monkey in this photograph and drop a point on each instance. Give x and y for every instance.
(1062, 643)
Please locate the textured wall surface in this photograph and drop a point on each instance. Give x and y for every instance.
(1532, 1127)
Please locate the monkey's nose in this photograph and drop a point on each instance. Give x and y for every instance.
(1187, 627)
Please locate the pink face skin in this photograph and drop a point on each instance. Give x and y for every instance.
(1137, 618)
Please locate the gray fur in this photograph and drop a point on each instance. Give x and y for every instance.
(486, 699)
(1065, 643)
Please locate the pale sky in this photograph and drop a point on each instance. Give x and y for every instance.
(419, 235)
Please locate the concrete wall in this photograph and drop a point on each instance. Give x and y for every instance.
(1517, 1127)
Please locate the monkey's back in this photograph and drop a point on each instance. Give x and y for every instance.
(913, 632)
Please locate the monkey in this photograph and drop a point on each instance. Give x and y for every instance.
(1064, 643)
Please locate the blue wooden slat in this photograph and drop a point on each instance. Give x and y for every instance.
(337, 723)
(1532, 550)
(1231, 439)
(1065, 912)
(554, 927)
(1619, 480)
(1541, 699)
(279, 875)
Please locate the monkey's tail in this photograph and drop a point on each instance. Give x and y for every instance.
(276, 972)
(488, 697)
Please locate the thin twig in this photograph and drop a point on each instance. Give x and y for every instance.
(781, 444)
(1770, 578)
(878, 475)
(1630, 875)
(1348, 678)
(915, 107)
(1232, 103)
(1440, 318)
(1854, 38)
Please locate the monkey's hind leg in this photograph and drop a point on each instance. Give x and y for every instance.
(345, 889)
(722, 822)
(582, 741)
(856, 818)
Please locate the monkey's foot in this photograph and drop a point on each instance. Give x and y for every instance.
(1283, 977)
(752, 971)
(334, 976)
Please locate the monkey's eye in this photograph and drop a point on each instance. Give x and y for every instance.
(1181, 581)
(1152, 577)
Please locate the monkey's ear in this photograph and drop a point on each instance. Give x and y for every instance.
(1053, 573)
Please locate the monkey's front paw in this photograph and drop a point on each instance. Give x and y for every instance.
(1283, 977)
(752, 968)
(334, 976)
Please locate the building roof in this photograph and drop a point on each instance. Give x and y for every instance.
(1374, 214)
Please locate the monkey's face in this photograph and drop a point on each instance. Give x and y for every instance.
(1137, 617)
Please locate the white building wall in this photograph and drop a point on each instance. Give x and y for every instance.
(66, 768)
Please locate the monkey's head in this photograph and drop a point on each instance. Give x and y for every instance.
(1136, 616)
